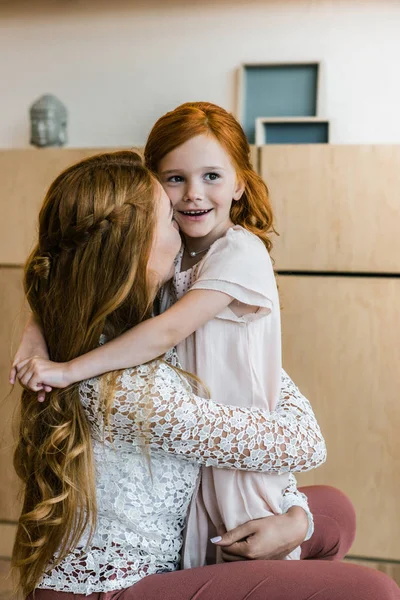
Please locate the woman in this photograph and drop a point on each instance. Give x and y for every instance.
(237, 353)
(106, 243)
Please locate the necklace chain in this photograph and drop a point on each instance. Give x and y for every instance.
(193, 254)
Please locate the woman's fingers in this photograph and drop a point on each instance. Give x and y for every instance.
(235, 535)
(227, 557)
(236, 544)
(238, 551)
(251, 549)
(258, 539)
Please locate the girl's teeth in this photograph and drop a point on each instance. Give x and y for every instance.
(195, 212)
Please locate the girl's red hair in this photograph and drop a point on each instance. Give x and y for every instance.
(253, 211)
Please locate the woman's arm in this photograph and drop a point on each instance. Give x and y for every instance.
(142, 343)
(202, 431)
(269, 538)
(292, 497)
(292, 402)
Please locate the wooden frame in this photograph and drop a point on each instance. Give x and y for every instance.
(262, 137)
(241, 82)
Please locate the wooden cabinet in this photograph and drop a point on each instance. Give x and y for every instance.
(338, 210)
(336, 207)
(13, 316)
(341, 346)
(25, 177)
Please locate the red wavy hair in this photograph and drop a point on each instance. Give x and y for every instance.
(253, 211)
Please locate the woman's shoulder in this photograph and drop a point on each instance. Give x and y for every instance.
(138, 379)
(160, 367)
(159, 373)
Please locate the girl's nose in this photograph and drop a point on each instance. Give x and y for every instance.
(193, 192)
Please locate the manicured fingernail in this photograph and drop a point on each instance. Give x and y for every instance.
(214, 540)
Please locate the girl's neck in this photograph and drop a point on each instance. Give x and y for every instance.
(196, 248)
(196, 244)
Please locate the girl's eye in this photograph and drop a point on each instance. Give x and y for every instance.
(175, 179)
(212, 176)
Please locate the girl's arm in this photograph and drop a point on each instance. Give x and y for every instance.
(32, 344)
(142, 343)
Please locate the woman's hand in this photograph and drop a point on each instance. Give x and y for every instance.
(270, 538)
(39, 374)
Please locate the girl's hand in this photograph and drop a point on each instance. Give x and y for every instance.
(32, 344)
(39, 374)
(270, 538)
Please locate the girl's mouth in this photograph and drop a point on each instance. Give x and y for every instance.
(195, 215)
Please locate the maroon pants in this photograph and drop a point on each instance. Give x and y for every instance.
(312, 578)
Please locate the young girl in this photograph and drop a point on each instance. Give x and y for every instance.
(221, 308)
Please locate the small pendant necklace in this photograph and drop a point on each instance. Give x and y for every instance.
(193, 254)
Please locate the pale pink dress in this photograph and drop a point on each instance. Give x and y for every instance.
(239, 359)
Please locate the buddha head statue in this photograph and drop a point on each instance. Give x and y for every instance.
(48, 122)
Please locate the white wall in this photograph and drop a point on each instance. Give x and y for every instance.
(120, 64)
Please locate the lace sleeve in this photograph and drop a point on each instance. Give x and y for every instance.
(154, 404)
(293, 405)
(292, 497)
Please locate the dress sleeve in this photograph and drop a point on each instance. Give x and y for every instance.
(239, 265)
(154, 405)
(292, 497)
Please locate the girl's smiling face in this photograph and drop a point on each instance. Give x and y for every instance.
(201, 182)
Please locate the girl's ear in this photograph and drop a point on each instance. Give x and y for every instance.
(239, 190)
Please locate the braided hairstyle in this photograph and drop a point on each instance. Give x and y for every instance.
(253, 211)
(86, 276)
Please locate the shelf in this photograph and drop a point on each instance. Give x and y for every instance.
(291, 130)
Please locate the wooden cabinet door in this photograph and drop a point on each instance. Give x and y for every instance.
(25, 177)
(341, 346)
(337, 208)
(13, 315)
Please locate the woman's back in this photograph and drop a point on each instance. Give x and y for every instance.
(142, 493)
(147, 460)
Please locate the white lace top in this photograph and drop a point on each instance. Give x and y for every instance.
(147, 465)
